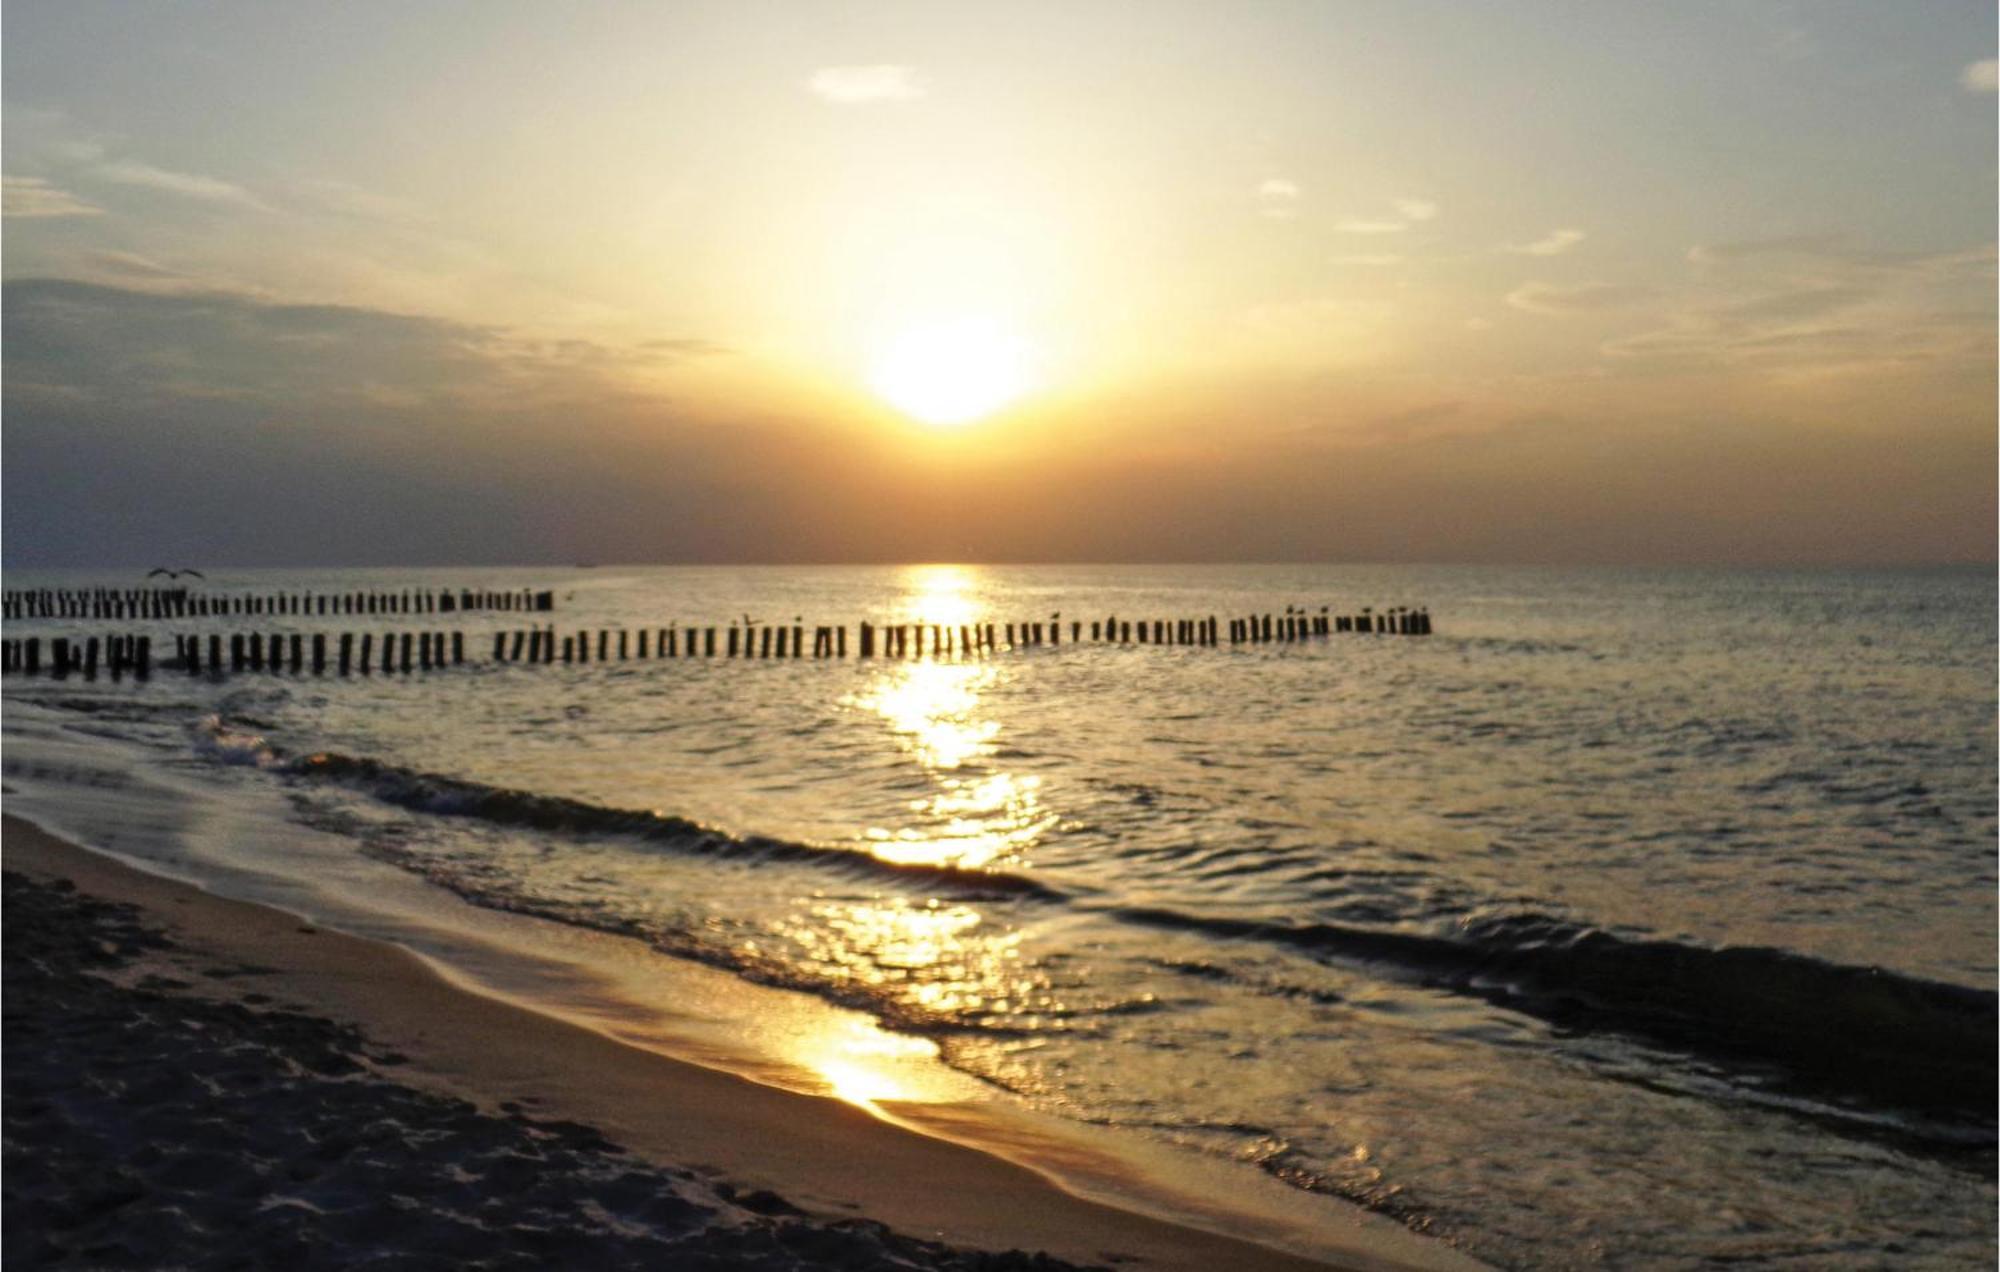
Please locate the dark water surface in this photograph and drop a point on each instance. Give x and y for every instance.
(1641, 918)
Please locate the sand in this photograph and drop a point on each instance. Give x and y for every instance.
(195, 1081)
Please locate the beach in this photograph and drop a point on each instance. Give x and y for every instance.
(195, 1081)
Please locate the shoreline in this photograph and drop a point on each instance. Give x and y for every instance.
(458, 1043)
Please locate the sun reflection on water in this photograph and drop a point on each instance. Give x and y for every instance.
(974, 816)
(864, 1065)
(938, 964)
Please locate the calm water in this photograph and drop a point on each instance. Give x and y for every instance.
(1551, 934)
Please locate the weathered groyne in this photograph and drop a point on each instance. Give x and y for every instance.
(139, 603)
(401, 650)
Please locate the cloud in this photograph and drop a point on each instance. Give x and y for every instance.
(222, 424)
(847, 85)
(1544, 298)
(1278, 198)
(1813, 306)
(1981, 77)
(1554, 243)
(161, 338)
(1369, 259)
(132, 269)
(32, 198)
(1706, 253)
(187, 185)
(1409, 210)
(345, 199)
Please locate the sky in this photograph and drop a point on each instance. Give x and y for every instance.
(1370, 280)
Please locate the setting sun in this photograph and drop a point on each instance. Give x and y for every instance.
(952, 372)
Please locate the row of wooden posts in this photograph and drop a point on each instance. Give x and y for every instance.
(351, 652)
(179, 602)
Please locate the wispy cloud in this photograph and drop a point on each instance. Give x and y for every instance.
(1554, 243)
(131, 269)
(1805, 306)
(1371, 259)
(1410, 210)
(1545, 298)
(1278, 198)
(33, 198)
(343, 198)
(1708, 253)
(187, 185)
(848, 85)
(1981, 77)
(1362, 225)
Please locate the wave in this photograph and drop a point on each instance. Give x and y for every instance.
(1910, 1043)
(224, 745)
(1922, 1044)
(503, 806)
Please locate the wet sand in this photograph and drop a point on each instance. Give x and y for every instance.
(202, 1082)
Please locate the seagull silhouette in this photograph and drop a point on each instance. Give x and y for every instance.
(174, 574)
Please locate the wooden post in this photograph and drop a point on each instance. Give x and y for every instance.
(642, 644)
(867, 640)
(569, 649)
(406, 651)
(734, 630)
(59, 652)
(367, 650)
(346, 652)
(764, 643)
(707, 643)
(90, 658)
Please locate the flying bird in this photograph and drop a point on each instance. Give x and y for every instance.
(174, 574)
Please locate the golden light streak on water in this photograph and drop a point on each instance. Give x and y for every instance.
(933, 711)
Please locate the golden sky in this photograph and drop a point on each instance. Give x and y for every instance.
(1162, 281)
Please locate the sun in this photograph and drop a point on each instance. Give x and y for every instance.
(952, 372)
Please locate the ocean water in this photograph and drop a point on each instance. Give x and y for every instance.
(1634, 918)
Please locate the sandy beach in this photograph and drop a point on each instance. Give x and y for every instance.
(194, 1081)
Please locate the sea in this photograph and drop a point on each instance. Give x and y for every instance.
(1631, 918)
